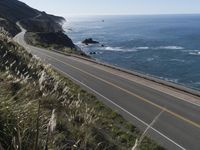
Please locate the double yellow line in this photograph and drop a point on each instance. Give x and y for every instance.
(135, 95)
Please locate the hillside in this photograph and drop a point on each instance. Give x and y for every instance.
(9, 26)
(53, 41)
(32, 19)
(40, 108)
(14, 10)
(37, 23)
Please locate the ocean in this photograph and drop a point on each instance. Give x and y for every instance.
(164, 46)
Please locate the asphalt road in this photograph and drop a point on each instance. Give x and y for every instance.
(138, 100)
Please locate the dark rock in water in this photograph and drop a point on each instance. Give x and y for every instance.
(89, 41)
(102, 45)
(93, 53)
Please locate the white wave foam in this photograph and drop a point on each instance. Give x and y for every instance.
(150, 59)
(195, 53)
(178, 60)
(78, 43)
(134, 49)
(170, 80)
(113, 48)
(119, 49)
(160, 47)
(97, 27)
(170, 47)
(142, 48)
(191, 50)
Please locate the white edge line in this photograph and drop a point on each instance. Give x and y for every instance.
(120, 108)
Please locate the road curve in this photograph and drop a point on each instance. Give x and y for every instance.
(136, 99)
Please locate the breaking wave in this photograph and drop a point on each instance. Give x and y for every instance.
(169, 47)
(119, 49)
(195, 53)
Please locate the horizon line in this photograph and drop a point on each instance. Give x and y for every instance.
(152, 14)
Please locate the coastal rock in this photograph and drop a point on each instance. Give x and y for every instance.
(93, 53)
(89, 41)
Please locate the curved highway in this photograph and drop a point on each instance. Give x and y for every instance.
(138, 100)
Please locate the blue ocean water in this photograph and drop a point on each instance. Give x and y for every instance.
(165, 46)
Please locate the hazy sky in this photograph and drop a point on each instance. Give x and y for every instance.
(73, 7)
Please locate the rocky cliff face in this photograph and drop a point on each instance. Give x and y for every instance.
(49, 39)
(43, 23)
(42, 29)
(32, 19)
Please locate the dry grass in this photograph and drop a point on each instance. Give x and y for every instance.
(40, 109)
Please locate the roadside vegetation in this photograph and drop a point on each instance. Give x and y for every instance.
(41, 109)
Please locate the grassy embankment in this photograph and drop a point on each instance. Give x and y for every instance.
(40, 108)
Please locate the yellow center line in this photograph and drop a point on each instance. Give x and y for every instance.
(135, 95)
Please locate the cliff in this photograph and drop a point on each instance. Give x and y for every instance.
(43, 29)
(14, 10)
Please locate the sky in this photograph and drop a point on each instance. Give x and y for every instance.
(115, 7)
